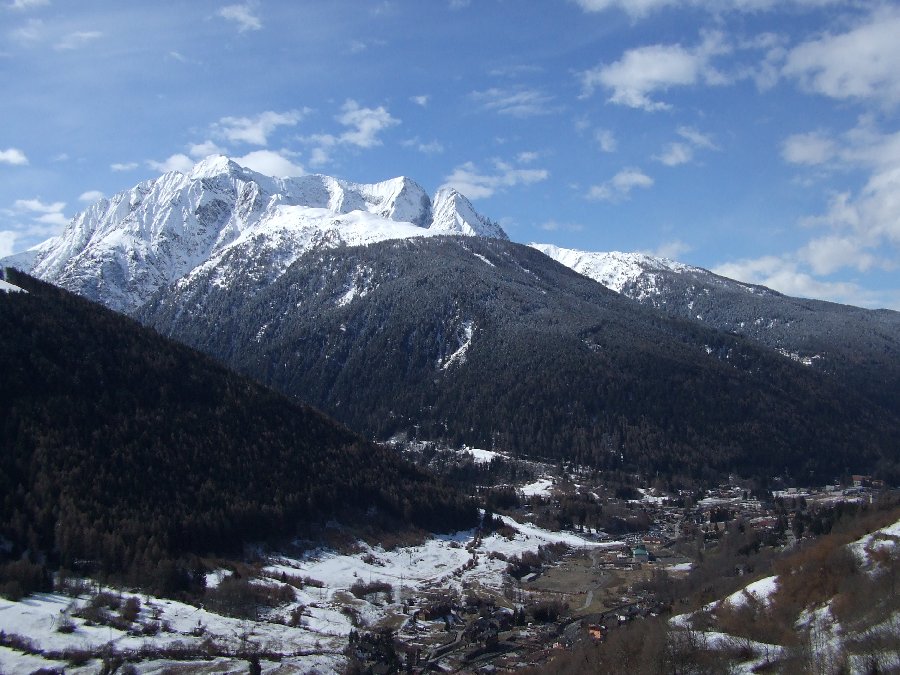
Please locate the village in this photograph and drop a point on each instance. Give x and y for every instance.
(556, 599)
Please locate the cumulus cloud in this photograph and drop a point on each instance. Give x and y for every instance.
(13, 156)
(205, 149)
(672, 250)
(363, 129)
(862, 226)
(858, 64)
(514, 101)
(364, 124)
(256, 130)
(49, 217)
(619, 187)
(270, 163)
(643, 71)
(810, 149)
(177, 162)
(786, 275)
(90, 196)
(7, 242)
(474, 183)
(242, 15)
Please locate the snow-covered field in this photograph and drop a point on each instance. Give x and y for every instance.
(326, 607)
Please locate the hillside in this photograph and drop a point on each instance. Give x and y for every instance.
(123, 448)
(861, 347)
(493, 344)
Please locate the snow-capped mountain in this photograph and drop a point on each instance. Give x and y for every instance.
(121, 250)
(636, 275)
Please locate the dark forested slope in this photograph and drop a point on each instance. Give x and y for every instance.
(489, 342)
(122, 447)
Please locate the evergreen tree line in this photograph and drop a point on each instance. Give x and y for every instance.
(557, 365)
(121, 450)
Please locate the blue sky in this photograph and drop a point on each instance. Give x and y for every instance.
(757, 138)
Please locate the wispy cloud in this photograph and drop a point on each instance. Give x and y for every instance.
(77, 40)
(205, 149)
(474, 183)
(514, 101)
(27, 4)
(242, 15)
(256, 130)
(638, 9)
(556, 226)
(643, 71)
(620, 186)
(430, 148)
(123, 166)
(13, 156)
(8, 242)
(421, 100)
(682, 152)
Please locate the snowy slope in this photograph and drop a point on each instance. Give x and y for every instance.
(617, 271)
(123, 249)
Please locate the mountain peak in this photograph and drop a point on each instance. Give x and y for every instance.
(215, 165)
(454, 214)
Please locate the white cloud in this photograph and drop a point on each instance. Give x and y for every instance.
(46, 218)
(13, 156)
(123, 166)
(90, 196)
(28, 4)
(7, 242)
(670, 249)
(527, 157)
(810, 149)
(679, 152)
(555, 226)
(619, 187)
(676, 154)
(32, 31)
(78, 39)
(364, 124)
(606, 140)
(858, 64)
(177, 162)
(514, 101)
(785, 274)
(256, 130)
(646, 70)
(205, 149)
(697, 138)
(637, 9)
(270, 163)
(431, 148)
(475, 184)
(37, 206)
(242, 15)
(420, 100)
